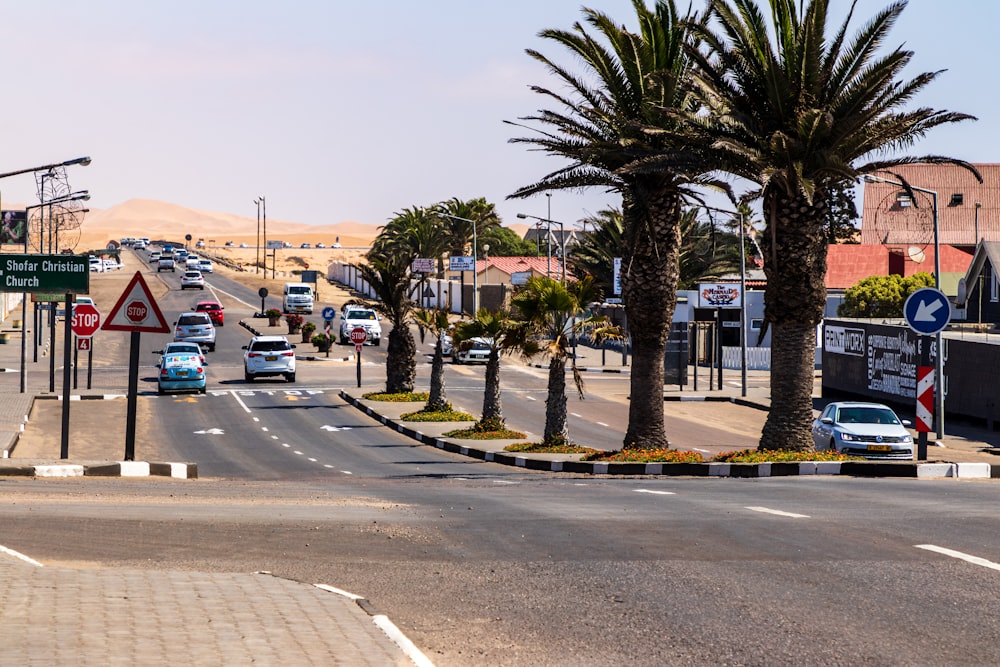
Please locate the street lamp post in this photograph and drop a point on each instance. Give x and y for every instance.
(939, 357)
(256, 266)
(548, 237)
(475, 261)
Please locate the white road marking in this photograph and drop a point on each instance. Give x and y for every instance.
(656, 493)
(601, 424)
(299, 453)
(264, 429)
(18, 554)
(312, 460)
(531, 398)
(700, 450)
(240, 401)
(766, 510)
(327, 427)
(210, 431)
(285, 444)
(576, 414)
(975, 560)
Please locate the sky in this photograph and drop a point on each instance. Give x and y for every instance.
(337, 110)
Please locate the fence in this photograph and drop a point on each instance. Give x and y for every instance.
(758, 358)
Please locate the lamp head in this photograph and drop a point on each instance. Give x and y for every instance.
(522, 216)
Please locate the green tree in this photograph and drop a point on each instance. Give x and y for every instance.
(630, 80)
(434, 321)
(389, 277)
(842, 215)
(504, 336)
(504, 242)
(800, 113)
(461, 233)
(595, 253)
(882, 296)
(707, 251)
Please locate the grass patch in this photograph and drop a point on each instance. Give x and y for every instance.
(402, 397)
(477, 433)
(552, 448)
(437, 416)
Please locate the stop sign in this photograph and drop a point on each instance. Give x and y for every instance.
(136, 312)
(359, 335)
(86, 319)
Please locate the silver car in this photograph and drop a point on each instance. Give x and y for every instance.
(195, 328)
(871, 430)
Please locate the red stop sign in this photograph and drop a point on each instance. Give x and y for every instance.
(136, 312)
(86, 319)
(359, 335)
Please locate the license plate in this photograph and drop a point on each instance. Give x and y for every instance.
(182, 374)
(271, 357)
(879, 448)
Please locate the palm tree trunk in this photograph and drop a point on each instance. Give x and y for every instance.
(555, 403)
(437, 400)
(649, 287)
(400, 361)
(492, 409)
(795, 299)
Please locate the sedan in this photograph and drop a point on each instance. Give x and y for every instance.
(474, 350)
(192, 279)
(871, 430)
(214, 310)
(180, 371)
(182, 348)
(195, 328)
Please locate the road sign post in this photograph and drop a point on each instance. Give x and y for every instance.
(927, 312)
(358, 337)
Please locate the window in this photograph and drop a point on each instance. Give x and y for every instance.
(756, 323)
(956, 199)
(994, 286)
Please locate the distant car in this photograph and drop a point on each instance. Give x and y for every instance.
(871, 430)
(182, 347)
(244, 245)
(306, 245)
(195, 328)
(199, 244)
(320, 245)
(193, 262)
(181, 371)
(214, 310)
(472, 351)
(336, 245)
(139, 244)
(269, 356)
(229, 244)
(192, 279)
(206, 266)
(111, 265)
(165, 263)
(154, 256)
(96, 264)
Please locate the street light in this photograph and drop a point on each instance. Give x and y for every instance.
(82, 161)
(486, 254)
(475, 260)
(256, 266)
(548, 240)
(939, 361)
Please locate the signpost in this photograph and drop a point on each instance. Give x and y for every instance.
(85, 322)
(358, 337)
(927, 311)
(136, 311)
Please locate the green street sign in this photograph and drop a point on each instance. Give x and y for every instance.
(45, 274)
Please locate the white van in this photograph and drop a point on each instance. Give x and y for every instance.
(297, 298)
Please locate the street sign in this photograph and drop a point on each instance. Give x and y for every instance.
(136, 310)
(83, 344)
(358, 346)
(457, 263)
(52, 274)
(86, 320)
(359, 336)
(422, 265)
(927, 311)
(329, 313)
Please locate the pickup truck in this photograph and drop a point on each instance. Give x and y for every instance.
(165, 264)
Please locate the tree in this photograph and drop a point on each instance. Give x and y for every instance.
(707, 252)
(459, 230)
(882, 296)
(842, 214)
(554, 314)
(504, 242)
(389, 277)
(798, 112)
(596, 251)
(435, 321)
(504, 336)
(631, 81)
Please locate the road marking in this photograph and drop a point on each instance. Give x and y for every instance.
(656, 493)
(240, 401)
(312, 460)
(285, 444)
(601, 424)
(327, 427)
(576, 414)
(975, 560)
(211, 431)
(274, 437)
(766, 510)
(298, 453)
(531, 398)
(700, 450)
(18, 554)
(264, 429)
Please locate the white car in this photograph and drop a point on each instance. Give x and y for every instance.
(871, 430)
(111, 265)
(96, 264)
(206, 266)
(192, 279)
(359, 316)
(472, 351)
(268, 356)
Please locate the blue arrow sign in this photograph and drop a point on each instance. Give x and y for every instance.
(927, 311)
(329, 313)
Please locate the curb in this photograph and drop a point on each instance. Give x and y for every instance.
(737, 470)
(116, 469)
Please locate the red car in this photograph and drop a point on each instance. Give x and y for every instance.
(214, 310)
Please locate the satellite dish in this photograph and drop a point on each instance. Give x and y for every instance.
(916, 253)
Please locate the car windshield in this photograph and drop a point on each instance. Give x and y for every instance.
(192, 320)
(270, 346)
(360, 315)
(865, 415)
(298, 290)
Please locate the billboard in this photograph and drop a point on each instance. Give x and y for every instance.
(12, 226)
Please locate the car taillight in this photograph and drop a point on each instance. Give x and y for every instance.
(163, 371)
(253, 354)
(288, 354)
(199, 370)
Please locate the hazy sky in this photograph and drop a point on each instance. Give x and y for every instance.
(337, 110)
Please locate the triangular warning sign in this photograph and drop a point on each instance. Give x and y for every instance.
(136, 310)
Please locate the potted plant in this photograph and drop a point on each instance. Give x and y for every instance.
(307, 331)
(294, 321)
(273, 316)
(322, 342)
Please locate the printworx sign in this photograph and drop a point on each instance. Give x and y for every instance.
(136, 310)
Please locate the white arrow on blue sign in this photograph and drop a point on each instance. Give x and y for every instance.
(927, 311)
(329, 313)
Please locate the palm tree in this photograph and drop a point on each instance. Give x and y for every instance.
(706, 251)
(460, 232)
(596, 251)
(640, 81)
(801, 113)
(435, 321)
(555, 313)
(504, 336)
(389, 277)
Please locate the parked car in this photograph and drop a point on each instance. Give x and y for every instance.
(472, 351)
(182, 347)
(199, 244)
(321, 245)
(96, 264)
(306, 245)
(229, 244)
(214, 310)
(181, 371)
(269, 356)
(192, 279)
(244, 245)
(111, 264)
(336, 245)
(871, 430)
(195, 328)
(206, 266)
(165, 263)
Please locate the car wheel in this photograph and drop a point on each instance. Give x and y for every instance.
(290, 377)
(248, 376)
(343, 339)
(378, 342)
(159, 390)
(212, 348)
(202, 390)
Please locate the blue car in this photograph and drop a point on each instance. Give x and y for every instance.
(181, 371)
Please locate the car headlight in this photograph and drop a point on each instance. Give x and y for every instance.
(906, 438)
(847, 437)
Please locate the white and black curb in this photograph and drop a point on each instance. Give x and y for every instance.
(902, 469)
